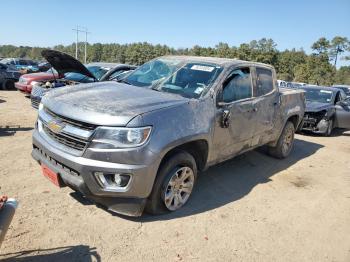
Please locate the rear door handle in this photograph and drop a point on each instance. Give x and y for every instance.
(255, 109)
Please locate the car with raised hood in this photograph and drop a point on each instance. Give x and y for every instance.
(140, 143)
(326, 108)
(69, 71)
(8, 76)
(345, 88)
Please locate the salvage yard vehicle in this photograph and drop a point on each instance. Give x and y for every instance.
(26, 81)
(326, 108)
(8, 76)
(21, 64)
(140, 143)
(345, 88)
(70, 72)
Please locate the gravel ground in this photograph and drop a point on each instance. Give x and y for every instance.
(251, 208)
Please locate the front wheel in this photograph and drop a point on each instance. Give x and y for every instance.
(285, 142)
(329, 128)
(174, 184)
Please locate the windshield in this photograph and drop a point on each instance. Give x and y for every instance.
(97, 71)
(152, 71)
(318, 95)
(186, 79)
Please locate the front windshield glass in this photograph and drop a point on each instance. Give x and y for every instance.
(190, 79)
(318, 95)
(97, 71)
(152, 71)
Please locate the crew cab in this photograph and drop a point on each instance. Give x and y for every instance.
(326, 108)
(141, 143)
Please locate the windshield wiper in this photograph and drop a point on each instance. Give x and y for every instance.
(123, 81)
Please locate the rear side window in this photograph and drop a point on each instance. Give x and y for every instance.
(238, 86)
(264, 81)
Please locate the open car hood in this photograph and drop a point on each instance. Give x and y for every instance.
(64, 63)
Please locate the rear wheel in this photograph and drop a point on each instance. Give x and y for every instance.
(174, 184)
(285, 142)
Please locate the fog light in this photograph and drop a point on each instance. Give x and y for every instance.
(113, 182)
(121, 179)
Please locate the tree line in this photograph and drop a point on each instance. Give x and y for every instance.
(291, 65)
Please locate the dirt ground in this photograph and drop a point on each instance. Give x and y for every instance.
(251, 208)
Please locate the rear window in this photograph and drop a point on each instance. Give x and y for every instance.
(264, 81)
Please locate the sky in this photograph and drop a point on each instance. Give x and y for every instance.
(177, 23)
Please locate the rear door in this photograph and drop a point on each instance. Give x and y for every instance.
(342, 111)
(265, 104)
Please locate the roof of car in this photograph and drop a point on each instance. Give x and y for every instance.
(103, 64)
(215, 60)
(347, 86)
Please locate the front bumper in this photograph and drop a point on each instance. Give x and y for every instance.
(314, 127)
(23, 87)
(77, 172)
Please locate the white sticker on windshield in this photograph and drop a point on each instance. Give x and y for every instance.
(325, 91)
(198, 90)
(203, 68)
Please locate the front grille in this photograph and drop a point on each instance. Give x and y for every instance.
(35, 102)
(67, 140)
(56, 163)
(72, 122)
(38, 91)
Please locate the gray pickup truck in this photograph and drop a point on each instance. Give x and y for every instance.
(140, 143)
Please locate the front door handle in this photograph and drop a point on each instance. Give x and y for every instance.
(225, 120)
(255, 109)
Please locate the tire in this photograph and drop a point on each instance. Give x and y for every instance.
(167, 182)
(285, 142)
(329, 128)
(8, 84)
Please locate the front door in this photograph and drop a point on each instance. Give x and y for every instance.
(342, 113)
(235, 120)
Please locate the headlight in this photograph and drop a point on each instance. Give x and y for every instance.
(41, 106)
(120, 137)
(34, 83)
(22, 80)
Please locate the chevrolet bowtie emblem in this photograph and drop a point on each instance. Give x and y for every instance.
(55, 126)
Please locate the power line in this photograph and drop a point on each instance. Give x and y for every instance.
(78, 30)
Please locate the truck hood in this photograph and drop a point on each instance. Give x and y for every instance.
(107, 103)
(64, 63)
(316, 106)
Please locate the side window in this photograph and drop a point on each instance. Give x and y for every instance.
(264, 81)
(238, 86)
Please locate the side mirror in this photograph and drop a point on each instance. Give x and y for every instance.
(342, 103)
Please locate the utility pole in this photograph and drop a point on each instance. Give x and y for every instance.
(81, 30)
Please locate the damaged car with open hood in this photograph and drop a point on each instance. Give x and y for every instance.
(326, 108)
(141, 143)
(68, 71)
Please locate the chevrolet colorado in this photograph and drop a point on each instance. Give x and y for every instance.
(140, 143)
